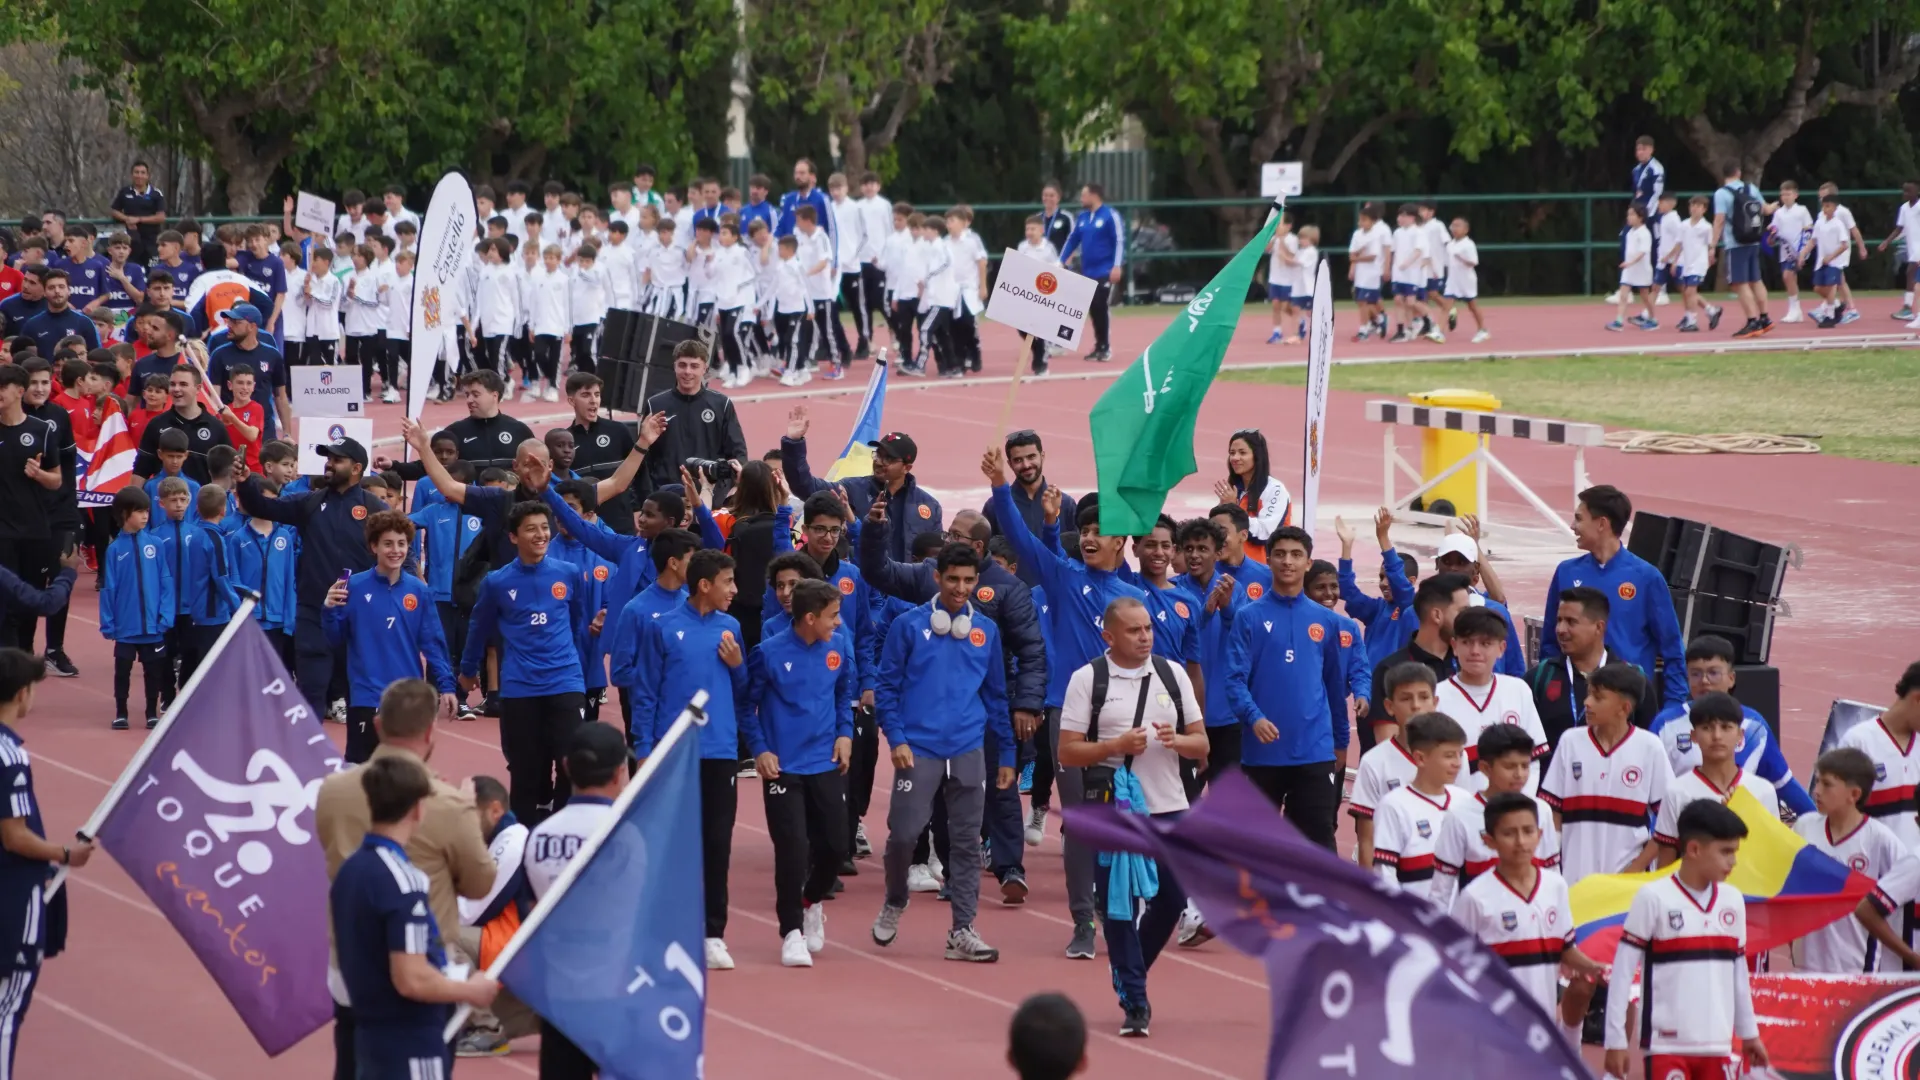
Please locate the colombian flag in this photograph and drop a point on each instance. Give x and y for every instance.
(1791, 888)
(857, 458)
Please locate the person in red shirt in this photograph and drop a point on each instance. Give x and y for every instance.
(244, 417)
(154, 400)
(11, 280)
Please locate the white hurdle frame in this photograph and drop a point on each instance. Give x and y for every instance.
(1484, 425)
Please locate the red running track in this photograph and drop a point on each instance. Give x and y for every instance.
(129, 1000)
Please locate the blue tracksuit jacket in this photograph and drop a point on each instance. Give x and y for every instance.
(536, 611)
(1284, 666)
(266, 564)
(1641, 625)
(623, 637)
(386, 627)
(938, 694)
(137, 604)
(1388, 620)
(679, 654)
(799, 700)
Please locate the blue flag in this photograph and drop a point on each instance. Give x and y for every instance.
(1366, 981)
(618, 962)
(857, 458)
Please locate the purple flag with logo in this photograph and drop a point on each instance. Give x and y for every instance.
(215, 821)
(1366, 981)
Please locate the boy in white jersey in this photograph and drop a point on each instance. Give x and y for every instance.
(706, 243)
(1410, 268)
(1409, 820)
(900, 265)
(1506, 756)
(1282, 259)
(1636, 273)
(586, 303)
(616, 266)
(666, 277)
(1034, 246)
(1842, 779)
(1366, 258)
(1695, 236)
(1690, 931)
(1848, 312)
(1890, 744)
(1906, 224)
(597, 763)
(1478, 698)
(823, 286)
(320, 295)
(764, 257)
(1607, 778)
(937, 299)
(1408, 689)
(1519, 907)
(733, 280)
(1306, 274)
(1437, 235)
(1832, 251)
(1717, 723)
(1463, 279)
(1792, 226)
(969, 257)
(792, 313)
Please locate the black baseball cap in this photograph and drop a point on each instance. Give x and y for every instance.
(596, 751)
(896, 445)
(345, 448)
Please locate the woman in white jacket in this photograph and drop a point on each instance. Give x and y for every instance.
(1270, 507)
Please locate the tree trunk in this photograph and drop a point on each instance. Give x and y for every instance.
(247, 183)
(853, 146)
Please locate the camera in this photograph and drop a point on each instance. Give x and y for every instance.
(714, 472)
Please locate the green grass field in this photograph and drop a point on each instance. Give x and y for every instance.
(1850, 400)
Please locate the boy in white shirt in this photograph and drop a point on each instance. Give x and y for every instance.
(399, 345)
(1410, 818)
(706, 234)
(319, 293)
(1695, 237)
(293, 313)
(1410, 263)
(733, 281)
(1669, 245)
(1717, 723)
(587, 304)
(1408, 689)
(1842, 780)
(900, 262)
(970, 271)
(553, 217)
(667, 273)
(1282, 259)
(1906, 225)
(1792, 228)
(849, 237)
(496, 305)
(764, 257)
(517, 211)
(1034, 246)
(792, 313)
(615, 262)
(937, 299)
(1437, 237)
(823, 286)
(548, 319)
(1506, 756)
(1463, 279)
(1848, 313)
(1636, 273)
(1832, 251)
(361, 317)
(1607, 779)
(1478, 697)
(1306, 274)
(1366, 257)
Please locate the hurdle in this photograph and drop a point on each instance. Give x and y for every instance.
(1395, 414)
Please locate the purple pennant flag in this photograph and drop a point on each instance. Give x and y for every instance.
(1366, 981)
(216, 824)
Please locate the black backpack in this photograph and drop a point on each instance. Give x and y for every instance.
(1748, 219)
(1097, 783)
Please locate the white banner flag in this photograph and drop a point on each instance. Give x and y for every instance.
(1319, 370)
(446, 245)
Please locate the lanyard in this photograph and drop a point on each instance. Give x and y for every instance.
(1576, 701)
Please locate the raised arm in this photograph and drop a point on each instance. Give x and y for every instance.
(906, 581)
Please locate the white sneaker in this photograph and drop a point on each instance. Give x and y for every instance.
(814, 922)
(390, 396)
(550, 394)
(791, 378)
(507, 394)
(1037, 826)
(862, 847)
(1793, 314)
(1914, 325)
(921, 879)
(1661, 300)
(337, 711)
(1480, 336)
(793, 950)
(719, 959)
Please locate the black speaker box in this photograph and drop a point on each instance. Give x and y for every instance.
(1757, 686)
(616, 335)
(1733, 566)
(1656, 538)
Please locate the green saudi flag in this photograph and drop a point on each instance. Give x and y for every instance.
(1142, 426)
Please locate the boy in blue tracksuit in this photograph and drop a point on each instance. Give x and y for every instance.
(669, 551)
(797, 715)
(263, 557)
(595, 573)
(1710, 664)
(533, 607)
(1288, 685)
(137, 607)
(170, 525)
(173, 462)
(942, 685)
(1388, 618)
(697, 646)
(1078, 593)
(204, 588)
(1222, 595)
(444, 533)
(1323, 587)
(1641, 625)
(385, 621)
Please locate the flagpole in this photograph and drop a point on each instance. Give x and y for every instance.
(145, 752)
(1020, 364)
(694, 713)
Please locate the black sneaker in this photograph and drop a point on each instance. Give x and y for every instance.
(119, 723)
(1135, 1025)
(490, 705)
(58, 664)
(152, 722)
(1453, 321)
(1713, 318)
(848, 869)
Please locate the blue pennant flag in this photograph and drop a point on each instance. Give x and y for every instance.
(614, 955)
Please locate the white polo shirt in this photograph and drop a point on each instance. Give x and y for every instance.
(1157, 767)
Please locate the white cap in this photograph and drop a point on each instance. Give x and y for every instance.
(1459, 544)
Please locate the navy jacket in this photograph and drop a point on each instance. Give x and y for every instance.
(911, 512)
(333, 532)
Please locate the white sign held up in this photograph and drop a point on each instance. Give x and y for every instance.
(1042, 299)
(325, 391)
(1282, 179)
(319, 431)
(314, 214)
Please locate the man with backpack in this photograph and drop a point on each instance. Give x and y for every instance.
(1739, 223)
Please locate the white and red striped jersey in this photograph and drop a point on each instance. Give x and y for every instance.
(1896, 772)
(1382, 769)
(1406, 826)
(1475, 708)
(1695, 999)
(1605, 798)
(1528, 930)
(1463, 855)
(1844, 947)
(1694, 785)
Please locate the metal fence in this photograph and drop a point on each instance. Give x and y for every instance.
(1530, 244)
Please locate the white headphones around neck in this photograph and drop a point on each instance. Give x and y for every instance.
(952, 625)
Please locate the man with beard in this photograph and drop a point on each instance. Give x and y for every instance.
(31, 300)
(333, 544)
(245, 345)
(1028, 460)
(909, 506)
(59, 319)
(1435, 604)
(805, 193)
(159, 331)
(204, 430)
